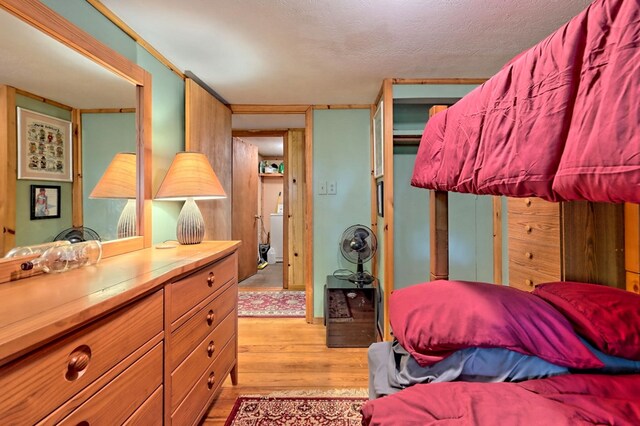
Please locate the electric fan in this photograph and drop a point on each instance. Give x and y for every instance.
(77, 234)
(358, 244)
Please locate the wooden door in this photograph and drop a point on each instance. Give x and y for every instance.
(245, 206)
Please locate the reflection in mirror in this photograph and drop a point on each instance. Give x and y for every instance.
(52, 79)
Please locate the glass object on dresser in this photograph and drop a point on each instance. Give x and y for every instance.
(34, 249)
(66, 257)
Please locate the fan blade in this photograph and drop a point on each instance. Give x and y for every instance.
(346, 247)
(365, 252)
(361, 233)
(357, 243)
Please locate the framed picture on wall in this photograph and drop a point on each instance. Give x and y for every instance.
(45, 202)
(44, 147)
(378, 142)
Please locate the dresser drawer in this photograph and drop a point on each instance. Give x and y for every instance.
(46, 378)
(118, 400)
(543, 229)
(193, 289)
(532, 206)
(187, 337)
(526, 279)
(186, 375)
(149, 413)
(196, 403)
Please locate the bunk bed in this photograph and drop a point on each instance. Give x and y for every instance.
(560, 122)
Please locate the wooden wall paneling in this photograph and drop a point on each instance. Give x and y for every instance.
(208, 130)
(593, 242)
(76, 197)
(497, 239)
(295, 183)
(245, 206)
(308, 213)
(8, 156)
(632, 246)
(387, 119)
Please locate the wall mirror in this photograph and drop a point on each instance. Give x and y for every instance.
(53, 68)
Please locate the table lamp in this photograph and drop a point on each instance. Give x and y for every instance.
(119, 182)
(190, 177)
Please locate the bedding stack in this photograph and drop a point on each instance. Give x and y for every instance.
(565, 354)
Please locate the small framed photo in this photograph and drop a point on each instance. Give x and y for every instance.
(378, 142)
(380, 198)
(45, 202)
(44, 147)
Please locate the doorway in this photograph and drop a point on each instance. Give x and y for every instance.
(267, 210)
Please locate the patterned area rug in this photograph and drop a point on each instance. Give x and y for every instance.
(307, 411)
(274, 304)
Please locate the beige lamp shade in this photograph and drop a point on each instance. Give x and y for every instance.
(190, 176)
(119, 180)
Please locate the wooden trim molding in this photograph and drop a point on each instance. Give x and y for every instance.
(308, 213)
(43, 100)
(268, 109)
(438, 80)
(135, 36)
(76, 196)
(344, 106)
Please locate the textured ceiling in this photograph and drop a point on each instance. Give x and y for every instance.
(337, 51)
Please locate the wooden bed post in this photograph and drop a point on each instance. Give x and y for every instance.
(439, 225)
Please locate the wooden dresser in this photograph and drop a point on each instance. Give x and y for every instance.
(143, 338)
(572, 241)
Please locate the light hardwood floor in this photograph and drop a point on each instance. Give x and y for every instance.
(267, 279)
(276, 354)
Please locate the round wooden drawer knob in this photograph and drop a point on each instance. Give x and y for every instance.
(528, 228)
(529, 283)
(529, 255)
(78, 362)
(211, 316)
(527, 202)
(211, 349)
(211, 380)
(211, 279)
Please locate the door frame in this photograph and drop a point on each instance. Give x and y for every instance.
(307, 111)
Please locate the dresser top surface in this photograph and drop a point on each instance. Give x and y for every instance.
(40, 308)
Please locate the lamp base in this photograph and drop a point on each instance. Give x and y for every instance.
(190, 228)
(127, 224)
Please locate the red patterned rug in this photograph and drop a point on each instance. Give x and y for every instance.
(277, 411)
(274, 304)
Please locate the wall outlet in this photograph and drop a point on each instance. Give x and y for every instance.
(332, 187)
(322, 188)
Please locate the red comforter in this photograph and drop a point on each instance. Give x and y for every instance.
(584, 399)
(561, 121)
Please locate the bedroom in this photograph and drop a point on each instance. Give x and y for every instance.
(342, 128)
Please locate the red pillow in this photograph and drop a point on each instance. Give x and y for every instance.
(432, 320)
(607, 317)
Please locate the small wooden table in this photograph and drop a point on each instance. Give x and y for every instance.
(351, 313)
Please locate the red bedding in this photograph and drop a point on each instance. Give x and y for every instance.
(560, 121)
(580, 399)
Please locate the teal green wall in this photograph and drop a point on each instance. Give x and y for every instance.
(167, 106)
(411, 230)
(29, 231)
(470, 216)
(103, 136)
(95, 23)
(470, 237)
(341, 153)
(168, 138)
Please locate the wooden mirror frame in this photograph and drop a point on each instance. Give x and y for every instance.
(51, 23)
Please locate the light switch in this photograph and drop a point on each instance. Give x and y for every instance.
(322, 188)
(332, 187)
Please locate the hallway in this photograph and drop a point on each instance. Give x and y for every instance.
(269, 278)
